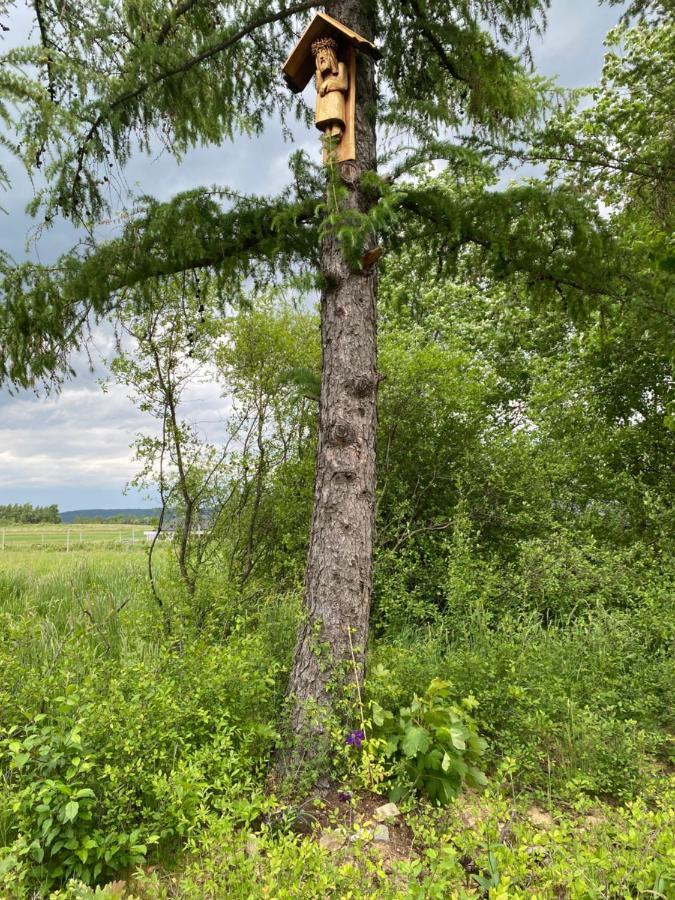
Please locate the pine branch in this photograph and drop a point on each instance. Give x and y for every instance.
(184, 67)
(171, 19)
(427, 31)
(45, 309)
(47, 44)
(513, 238)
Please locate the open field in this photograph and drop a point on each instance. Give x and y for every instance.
(69, 537)
(32, 561)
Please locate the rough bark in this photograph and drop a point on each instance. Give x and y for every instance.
(338, 578)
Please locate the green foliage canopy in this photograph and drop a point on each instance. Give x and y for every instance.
(107, 77)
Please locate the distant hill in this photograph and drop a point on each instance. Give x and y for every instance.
(69, 517)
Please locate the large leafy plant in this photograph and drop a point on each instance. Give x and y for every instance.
(54, 808)
(433, 744)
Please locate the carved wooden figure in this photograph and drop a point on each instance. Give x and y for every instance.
(332, 84)
(327, 50)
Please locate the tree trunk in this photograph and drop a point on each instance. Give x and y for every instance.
(338, 579)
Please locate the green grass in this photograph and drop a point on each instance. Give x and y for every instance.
(51, 600)
(60, 537)
(174, 740)
(99, 710)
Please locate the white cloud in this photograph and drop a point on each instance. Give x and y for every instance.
(81, 436)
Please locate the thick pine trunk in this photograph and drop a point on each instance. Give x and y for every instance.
(338, 578)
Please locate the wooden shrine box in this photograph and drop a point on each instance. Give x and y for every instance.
(299, 69)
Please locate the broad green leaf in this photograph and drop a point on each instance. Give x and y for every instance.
(416, 740)
(459, 767)
(437, 717)
(477, 744)
(439, 688)
(71, 810)
(433, 759)
(457, 737)
(7, 863)
(52, 834)
(85, 792)
(476, 778)
(446, 791)
(392, 745)
(378, 717)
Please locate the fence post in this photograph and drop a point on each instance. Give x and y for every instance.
(68, 541)
(3, 538)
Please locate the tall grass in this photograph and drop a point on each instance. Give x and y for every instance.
(93, 599)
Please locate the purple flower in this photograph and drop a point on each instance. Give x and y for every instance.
(344, 796)
(355, 738)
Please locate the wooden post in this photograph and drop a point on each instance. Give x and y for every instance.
(68, 541)
(347, 147)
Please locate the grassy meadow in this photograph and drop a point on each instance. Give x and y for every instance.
(68, 537)
(142, 765)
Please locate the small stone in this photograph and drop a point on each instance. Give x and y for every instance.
(381, 834)
(593, 820)
(388, 811)
(332, 840)
(252, 845)
(539, 818)
(469, 819)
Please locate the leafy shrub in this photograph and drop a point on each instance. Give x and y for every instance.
(587, 706)
(134, 756)
(433, 743)
(54, 809)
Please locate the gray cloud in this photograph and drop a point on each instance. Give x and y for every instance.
(74, 448)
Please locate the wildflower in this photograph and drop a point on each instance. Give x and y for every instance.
(355, 738)
(344, 796)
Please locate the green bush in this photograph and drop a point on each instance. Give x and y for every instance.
(54, 811)
(109, 750)
(433, 744)
(587, 706)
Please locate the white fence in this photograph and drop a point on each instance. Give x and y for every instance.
(69, 538)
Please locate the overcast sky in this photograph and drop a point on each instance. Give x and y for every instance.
(74, 449)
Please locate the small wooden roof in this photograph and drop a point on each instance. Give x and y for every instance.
(299, 67)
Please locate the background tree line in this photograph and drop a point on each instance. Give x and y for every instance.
(27, 514)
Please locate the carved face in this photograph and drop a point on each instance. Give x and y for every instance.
(326, 60)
